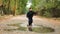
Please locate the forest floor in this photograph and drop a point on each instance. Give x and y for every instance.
(53, 23)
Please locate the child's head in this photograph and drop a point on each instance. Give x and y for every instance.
(30, 9)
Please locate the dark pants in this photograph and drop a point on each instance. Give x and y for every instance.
(30, 21)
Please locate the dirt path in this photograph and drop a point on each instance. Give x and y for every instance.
(23, 19)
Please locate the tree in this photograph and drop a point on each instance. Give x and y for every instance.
(48, 8)
(14, 6)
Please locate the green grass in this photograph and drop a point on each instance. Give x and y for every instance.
(41, 29)
(17, 25)
(20, 28)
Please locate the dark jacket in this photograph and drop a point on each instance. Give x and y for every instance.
(30, 14)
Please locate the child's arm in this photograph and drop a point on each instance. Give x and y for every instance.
(27, 14)
(35, 13)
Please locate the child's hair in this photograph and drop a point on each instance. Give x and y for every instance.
(30, 8)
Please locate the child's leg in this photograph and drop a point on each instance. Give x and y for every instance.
(30, 21)
(30, 24)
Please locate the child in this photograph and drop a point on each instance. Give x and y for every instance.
(30, 15)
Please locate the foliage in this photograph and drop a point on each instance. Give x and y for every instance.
(48, 8)
(13, 6)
